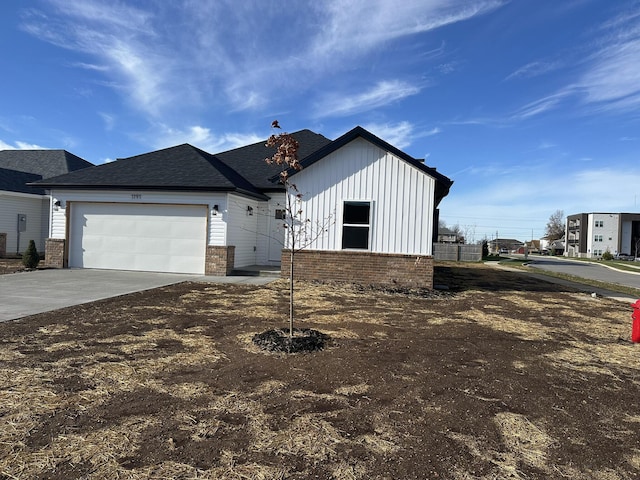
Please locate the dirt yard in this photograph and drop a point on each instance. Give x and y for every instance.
(501, 377)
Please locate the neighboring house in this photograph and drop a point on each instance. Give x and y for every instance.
(530, 246)
(24, 210)
(447, 236)
(590, 235)
(184, 210)
(552, 247)
(504, 245)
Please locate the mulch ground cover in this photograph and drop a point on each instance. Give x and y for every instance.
(501, 376)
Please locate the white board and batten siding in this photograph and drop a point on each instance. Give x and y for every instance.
(401, 198)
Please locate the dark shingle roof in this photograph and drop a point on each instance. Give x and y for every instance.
(243, 169)
(20, 167)
(249, 160)
(46, 163)
(15, 181)
(183, 167)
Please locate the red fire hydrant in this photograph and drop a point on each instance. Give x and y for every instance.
(635, 329)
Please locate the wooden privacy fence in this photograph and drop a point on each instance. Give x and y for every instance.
(456, 252)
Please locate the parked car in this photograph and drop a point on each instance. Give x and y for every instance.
(624, 256)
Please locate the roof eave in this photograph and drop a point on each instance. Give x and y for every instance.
(171, 188)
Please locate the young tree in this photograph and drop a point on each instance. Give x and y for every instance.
(300, 231)
(555, 226)
(31, 257)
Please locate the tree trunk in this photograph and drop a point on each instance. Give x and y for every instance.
(291, 296)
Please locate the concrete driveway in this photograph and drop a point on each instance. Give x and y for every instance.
(28, 293)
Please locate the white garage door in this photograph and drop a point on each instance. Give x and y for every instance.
(151, 238)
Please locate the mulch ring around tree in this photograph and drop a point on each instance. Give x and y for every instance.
(279, 340)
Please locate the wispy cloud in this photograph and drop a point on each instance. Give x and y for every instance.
(18, 145)
(379, 21)
(399, 134)
(609, 79)
(108, 119)
(613, 77)
(90, 66)
(383, 93)
(120, 37)
(234, 55)
(533, 69)
(544, 145)
(162, 136)
(541, 105)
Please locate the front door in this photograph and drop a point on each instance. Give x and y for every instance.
(276, 234)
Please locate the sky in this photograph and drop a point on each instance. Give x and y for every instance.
(529, 106)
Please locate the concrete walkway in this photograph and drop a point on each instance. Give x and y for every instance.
(28, 293)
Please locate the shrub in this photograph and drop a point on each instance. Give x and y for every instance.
(31, 257)
(607, 255)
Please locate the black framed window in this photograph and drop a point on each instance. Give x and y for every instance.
(356, 223)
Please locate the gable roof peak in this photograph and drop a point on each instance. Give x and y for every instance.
(443, 183)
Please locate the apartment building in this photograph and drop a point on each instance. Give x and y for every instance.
(590, 235)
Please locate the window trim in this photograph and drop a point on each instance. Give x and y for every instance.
(357, 225)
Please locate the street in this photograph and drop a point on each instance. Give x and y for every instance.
(588, 270)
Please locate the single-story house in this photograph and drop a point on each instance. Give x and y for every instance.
(24, 210)
(184, 210)
(553, 247)
(531, 246)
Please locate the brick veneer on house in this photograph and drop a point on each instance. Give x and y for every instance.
(220, 260)
(361, 267)
(54, 253)
(3, 245)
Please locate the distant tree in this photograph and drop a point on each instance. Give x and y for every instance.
(555, 226)
(485, 248)
(31, 257)
(457, 231)
(469, 234)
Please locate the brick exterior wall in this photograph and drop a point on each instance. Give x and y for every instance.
(219, 260)
(360, 267)
(54, 253)
(3, 245)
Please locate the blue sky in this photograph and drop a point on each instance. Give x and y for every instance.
(530, 106)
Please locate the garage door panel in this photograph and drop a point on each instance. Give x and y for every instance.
(162, 238)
